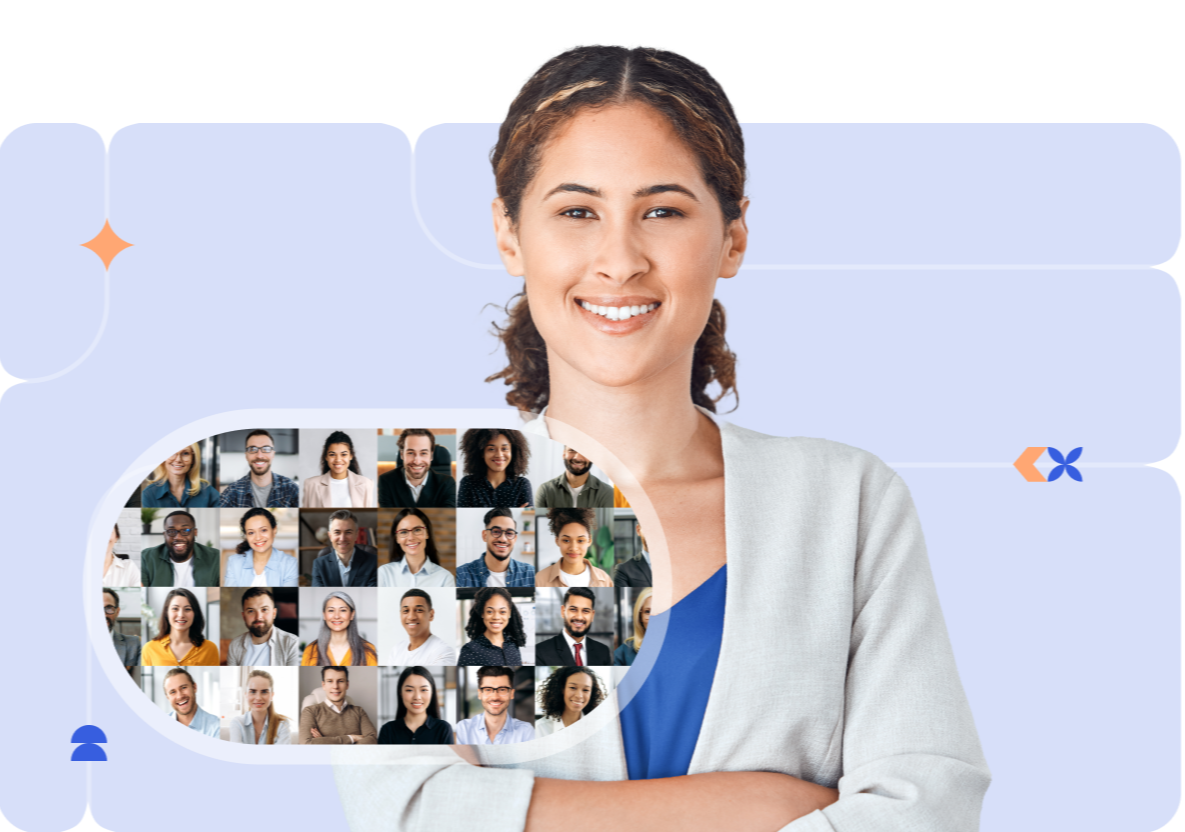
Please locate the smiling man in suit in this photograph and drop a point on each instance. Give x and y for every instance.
(414, 484)
(573, 647)
(343, 563)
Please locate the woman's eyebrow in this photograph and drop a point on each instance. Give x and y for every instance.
(664, 189)
(572, 187)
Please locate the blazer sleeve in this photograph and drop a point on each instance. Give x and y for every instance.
(319, 573)
(911, 755)
(446, 494)
(369, 735)
(387, 490)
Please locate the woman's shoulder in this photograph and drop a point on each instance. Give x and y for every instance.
(309, 657)
(756, 456)
(207, 654)
(207, 497)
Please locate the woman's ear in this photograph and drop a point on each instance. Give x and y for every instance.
(507, 240)
(736, 240)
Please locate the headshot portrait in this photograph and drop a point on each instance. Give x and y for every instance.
(575, 547)
(259, 705)
(417, 547)
(183, 627)
(566, 478)
(183, 480)
(418, 626)
(496, 465)
(563, 695)
(638, 604)
(496, 705)
(121, 561)
(258, 467)
(575, 626)
(180, 547)
(495, 547)
(188, 695)
(417, 468)
(497, 623)
(338, 547)
(259, 546)
(630, 551)
(124, 626)
(338, 468)
(338, 627)
(413, 706)
(336, 705)
(260, 627)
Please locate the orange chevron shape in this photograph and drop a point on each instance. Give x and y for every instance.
(1024, 464)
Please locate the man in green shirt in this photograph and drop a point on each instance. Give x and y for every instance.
(576, 487)
(180, 560)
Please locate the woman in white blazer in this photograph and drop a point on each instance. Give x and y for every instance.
(340, 484)
(832, 703)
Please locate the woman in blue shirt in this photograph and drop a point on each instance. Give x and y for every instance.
(255, 562)
(177, 482)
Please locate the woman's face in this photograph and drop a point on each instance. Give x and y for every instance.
(180, 613)
(259, 533)
(338, 615)
(337, 457)
(577, 692)
(416, 693)
(573, 541)
(259, 693)
(495, 615)
(412, 536)
(178, 464)
(619, 216)
(497, 453)
(644, 615)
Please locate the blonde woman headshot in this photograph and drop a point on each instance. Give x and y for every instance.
(261, 725)
(177, 483)
(620, 178)
(625, 654)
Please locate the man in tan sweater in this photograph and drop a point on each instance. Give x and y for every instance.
(335, 721)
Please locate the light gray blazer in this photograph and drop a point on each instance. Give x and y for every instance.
(825, 555)
(285, 649)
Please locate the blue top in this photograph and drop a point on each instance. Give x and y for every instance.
(661, 724)
(280, 570)
(158, 495)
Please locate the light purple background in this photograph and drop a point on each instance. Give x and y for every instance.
(250, 241)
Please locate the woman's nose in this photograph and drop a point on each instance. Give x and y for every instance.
(621, 255)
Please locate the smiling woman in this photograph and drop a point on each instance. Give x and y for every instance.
(177, 482)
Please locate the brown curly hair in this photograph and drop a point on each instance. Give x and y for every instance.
(551, 692)
(597, 76)
(557, 518)
(473, 445)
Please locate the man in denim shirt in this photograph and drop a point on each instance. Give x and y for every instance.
(262, 487)
(496, 567)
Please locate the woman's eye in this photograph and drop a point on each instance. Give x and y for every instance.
(577, 214)
(662, 213)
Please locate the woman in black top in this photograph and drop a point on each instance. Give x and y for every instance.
(496, 629)
(495, 469)
(417, 718)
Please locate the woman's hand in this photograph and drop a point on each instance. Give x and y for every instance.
(749, 800)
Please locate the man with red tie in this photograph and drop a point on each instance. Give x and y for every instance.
(572, 647)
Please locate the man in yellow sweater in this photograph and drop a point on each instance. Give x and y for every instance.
(335, 721)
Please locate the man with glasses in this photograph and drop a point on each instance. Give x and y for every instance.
(126, 647)
(495, 725)
(413, 484)
(576, 487)
(261, 487)
(496, 567)
(180, 560)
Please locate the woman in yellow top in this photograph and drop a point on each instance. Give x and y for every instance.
(339, 639)
(180, 640)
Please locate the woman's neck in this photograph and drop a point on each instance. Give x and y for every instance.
(496, 639)
(415, 562)
(338, 640)
(576, 568)
(177, 480)
(259, 716)
(344, 476)
(179, 636)
(414, 721)
(261, 558)
(571, 716)
(496, 478)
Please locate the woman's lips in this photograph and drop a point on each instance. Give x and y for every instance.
(612, 323)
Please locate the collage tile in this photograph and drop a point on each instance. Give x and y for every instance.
(376, 585)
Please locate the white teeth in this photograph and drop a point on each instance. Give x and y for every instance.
(619, 313)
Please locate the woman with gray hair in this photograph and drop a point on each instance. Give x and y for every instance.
(339, 642)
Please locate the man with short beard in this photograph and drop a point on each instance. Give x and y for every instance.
(180, 560)
(127, 647)
(181, 691)
(573, 647)
(264, 644)
(261, 487)
(414, 484)
(576, 487)
(496, 567)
